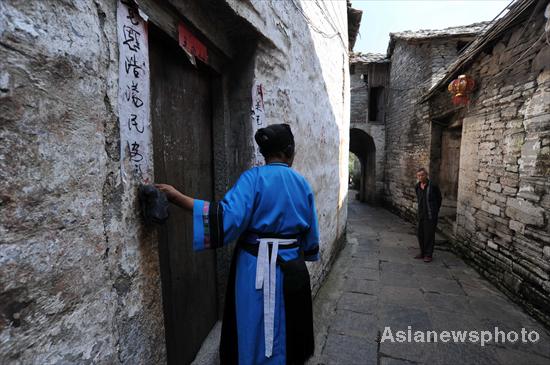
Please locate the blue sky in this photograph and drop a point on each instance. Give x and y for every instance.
(380, 17)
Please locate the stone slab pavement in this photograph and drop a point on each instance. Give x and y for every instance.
(376, 285)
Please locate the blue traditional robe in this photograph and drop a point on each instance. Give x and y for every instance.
(268, 199)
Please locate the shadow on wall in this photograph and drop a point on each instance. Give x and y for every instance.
(362, 145)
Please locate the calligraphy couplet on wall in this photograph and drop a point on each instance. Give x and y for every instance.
(133, 93)
(257, 114)
(191, 44)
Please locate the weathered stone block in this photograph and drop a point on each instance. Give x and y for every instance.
(497, 197)
(495, 187)
(542, 60)
(509, 98)
(529, 85)
(490, 208)
(502, 236)
(507, 88)
(510, 182)
(525, 212)
(492, 245)
(509, 191)
(509, 112)
(527, 195)
(538, 103)
(486, 146)
(510, 157)
(482, 176)
(483, 184)
(517, 226)
(486, 198)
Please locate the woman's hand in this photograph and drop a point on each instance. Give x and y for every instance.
(170, 191)
(176, 197)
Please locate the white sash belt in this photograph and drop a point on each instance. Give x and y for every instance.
(265, 277)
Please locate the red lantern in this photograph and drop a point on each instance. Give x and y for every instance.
(461, 88)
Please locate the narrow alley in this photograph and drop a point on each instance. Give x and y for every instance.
(375, 283)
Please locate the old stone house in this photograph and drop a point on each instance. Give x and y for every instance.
(490, 157)
(97, 96)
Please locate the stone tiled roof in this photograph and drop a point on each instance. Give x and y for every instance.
(471, 29)
(368, 58)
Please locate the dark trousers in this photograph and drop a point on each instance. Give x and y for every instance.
(426, 236)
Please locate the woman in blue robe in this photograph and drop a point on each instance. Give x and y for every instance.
(271, 213)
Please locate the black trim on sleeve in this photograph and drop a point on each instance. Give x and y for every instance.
(215, 216)
(313, 251)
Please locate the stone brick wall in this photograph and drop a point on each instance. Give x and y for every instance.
(503, 223)
(359, 93)
(407, 136)
(443, 53)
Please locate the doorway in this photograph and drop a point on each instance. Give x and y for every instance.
(376, 104)
(362, 145)
(445, 164)
(182, 118)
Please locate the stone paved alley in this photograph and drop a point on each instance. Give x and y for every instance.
(375, 282)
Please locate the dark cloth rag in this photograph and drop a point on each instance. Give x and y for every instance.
(154, 204)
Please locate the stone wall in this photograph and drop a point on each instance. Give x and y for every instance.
(407, 136)
(79, 274)
(359, 92)
(503, 223)
(444, 51)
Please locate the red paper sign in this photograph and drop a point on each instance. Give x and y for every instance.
(191, 44)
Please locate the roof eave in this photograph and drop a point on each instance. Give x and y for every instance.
(495, 31)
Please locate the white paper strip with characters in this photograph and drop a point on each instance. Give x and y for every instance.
(133, 94)
(257, 114)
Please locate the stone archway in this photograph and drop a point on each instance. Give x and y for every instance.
(362, 146)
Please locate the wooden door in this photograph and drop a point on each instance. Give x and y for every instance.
(181, 110)
(450, 159)
(449, 171)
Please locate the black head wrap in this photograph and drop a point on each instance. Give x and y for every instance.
(275, 139)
